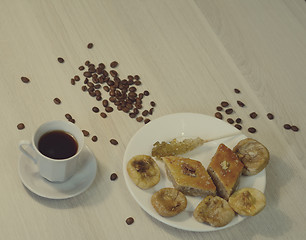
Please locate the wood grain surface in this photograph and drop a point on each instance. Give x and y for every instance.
(190, 56)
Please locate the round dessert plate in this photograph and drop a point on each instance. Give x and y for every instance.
(180, 126)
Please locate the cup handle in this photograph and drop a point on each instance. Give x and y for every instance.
(23, 143)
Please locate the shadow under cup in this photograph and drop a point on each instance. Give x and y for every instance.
(57, 170)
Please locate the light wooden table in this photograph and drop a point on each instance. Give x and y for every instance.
(190, 56)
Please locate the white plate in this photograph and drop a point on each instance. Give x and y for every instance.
(185, 125)
(78, 183)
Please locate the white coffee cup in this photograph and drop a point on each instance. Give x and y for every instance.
(54, 170)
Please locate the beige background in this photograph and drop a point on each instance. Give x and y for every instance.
(190, 55)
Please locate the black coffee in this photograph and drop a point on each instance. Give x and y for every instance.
(57, 145)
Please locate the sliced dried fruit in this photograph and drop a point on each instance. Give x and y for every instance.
(215, 211)
(168, 202)
(247, 201)
(143, 171)
(254, 155)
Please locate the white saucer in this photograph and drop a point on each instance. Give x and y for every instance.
(78, 183)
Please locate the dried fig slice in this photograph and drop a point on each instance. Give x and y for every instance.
(143, 171)
(254, 155)
(168, 202)
(215, 211)
(247, 201)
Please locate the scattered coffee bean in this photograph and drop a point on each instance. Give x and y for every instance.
(25, 79)
(68, 116)
(152, 103)
(57, 101)
(224, 104)
(94, 138)
(72, 81)
(95, 109)
(237, 90)
(238, 126)
(253, 115)
(270, 116)
(218, 115)
(114, 141)
(71, 120)
(114, 64)
(147, 120)
(287, 126)
(241, 104)
(294, 128)
(219, 108)
(229, 111)
(90, 45)
(230, 120)
(60, 60)
(81, 68)
(139, 119)
(252, 130)
(103, 114)
(113, 177)
(85, 133)
(146, 93)
(238, 120)
(20, 126)
(129, 220)
(145, 113)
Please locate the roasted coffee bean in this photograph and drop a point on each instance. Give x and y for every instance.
(136, 77)
(84, 88)
(114, 64)
(238, 126)
(219, 108)
(90, 45)
(57, 101)
(295, 128)
(71, 120)
(87, 63)
(137, 82)
(98, 98)
(129, 220)
(145, 113)
(113, 177)
(253, 115)
(147, 120)
(87, 74)
(103, 114)
(81, 68)
(114, 141)
(151, 111)
(270, 116)
(252, 130)
(60, 60)
(76, 78)
(139, 119)
(94, 138)
(237, 90)
(241, 104)
(109, 109)
(95, 109)
(152, 103)
(20, 126)
(105, 103)
(68, 116)
(238, 120)
(106, 88)
(287, 126)
(72, 81)
(113, 73)
(218, 115)
(25, 79)
(230, 120)
(132, 115)
(229, 111)
(146, 93)
(85, 133)
(224, 104)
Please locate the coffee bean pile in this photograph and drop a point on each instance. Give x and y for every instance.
(228, 110)
(121, 93)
